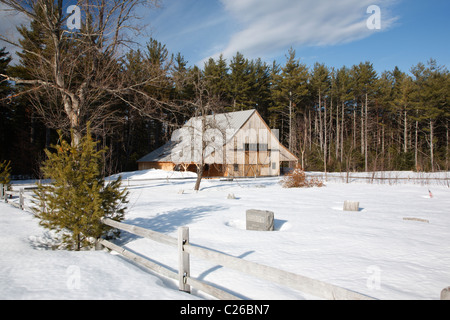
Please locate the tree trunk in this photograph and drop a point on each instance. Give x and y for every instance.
(354, 126)
(405, 133)
(366, 133)
(416, 141)
(200, 170)
(338, 132)
(432, 144)
(310, 130)
(446, 153)
(362, 128)
(320, 122)
(342, 133)
(325, 148)
(290, 121)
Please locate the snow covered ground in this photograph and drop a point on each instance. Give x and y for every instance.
(374, 251)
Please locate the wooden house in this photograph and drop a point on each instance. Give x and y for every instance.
(235, 144)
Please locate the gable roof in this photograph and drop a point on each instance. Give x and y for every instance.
(223, 121)
(162, 154)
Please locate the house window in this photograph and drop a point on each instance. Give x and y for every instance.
(274, 165)
(236, 167)
(255, 147)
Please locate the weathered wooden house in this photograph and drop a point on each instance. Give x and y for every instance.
(235, 144)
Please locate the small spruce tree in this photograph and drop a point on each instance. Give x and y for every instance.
(78, 197)
(5, 174)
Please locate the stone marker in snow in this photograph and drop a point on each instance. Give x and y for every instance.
(259, 220)
(351, 206)
(445, 294)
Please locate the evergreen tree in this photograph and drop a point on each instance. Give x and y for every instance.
(343, 93)
(179, 78)
(431, 101)
(34, 111)
(78, 197)
(241, 84)
(261, 95)
(320, 86)
(5, 174)
(5, 111)
(217, 78)
(290, 87)
(364, 83)
(5, 59)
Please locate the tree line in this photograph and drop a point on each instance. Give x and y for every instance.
(333, 119)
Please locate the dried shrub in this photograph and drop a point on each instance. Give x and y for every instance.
(297, 179)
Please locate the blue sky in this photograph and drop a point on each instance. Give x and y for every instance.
(333, 32)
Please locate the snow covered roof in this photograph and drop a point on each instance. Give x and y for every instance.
(223, 121)
(162, 154)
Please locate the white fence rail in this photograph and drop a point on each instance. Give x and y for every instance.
(15, 197)
(185, 249)
(386, 177)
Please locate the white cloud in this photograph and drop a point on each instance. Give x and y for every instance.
(268, 26)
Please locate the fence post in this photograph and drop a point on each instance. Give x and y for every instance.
(21, 199)
(98, 245)
(183, 259)
(445, 294)
(2, 192)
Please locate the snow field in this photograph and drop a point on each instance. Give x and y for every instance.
(373, 251)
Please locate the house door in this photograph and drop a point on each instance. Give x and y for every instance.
(250, 168)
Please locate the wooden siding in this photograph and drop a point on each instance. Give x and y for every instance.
(167, 166)
(253, 151)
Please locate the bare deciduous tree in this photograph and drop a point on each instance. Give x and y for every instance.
(79, 70)
(203, 107)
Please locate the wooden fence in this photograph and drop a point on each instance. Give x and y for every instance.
(185, 281)
(380, 177)
(11, 196)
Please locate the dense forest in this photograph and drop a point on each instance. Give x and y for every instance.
(351, 118)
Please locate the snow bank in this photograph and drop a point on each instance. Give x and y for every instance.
(28, 271)
(153, 174)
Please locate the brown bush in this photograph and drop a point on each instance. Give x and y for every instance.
(297, 179)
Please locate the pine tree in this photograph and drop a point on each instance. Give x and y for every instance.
(430, 98)
(241, 84)
(343, 90)
(261, 94)
(5, 112)
(217, 78)
(78, 197)
(5, 174)
(320, 90)
(364, 81)
(289, 90)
